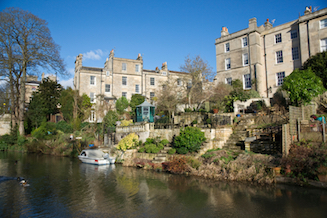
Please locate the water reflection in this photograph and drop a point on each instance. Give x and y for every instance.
(67, 188)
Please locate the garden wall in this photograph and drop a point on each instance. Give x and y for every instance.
(4, 124)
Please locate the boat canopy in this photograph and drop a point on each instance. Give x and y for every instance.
(93, 153)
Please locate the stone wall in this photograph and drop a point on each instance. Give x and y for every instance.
(4, 124)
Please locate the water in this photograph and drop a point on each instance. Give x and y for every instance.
(64, 187)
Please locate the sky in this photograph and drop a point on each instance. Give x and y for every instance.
(161, 31)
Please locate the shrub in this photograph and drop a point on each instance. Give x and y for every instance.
(164, 142)
(126, 122)
(304, 159)
(45, 131)
(178, 165)
(128, 142)
(195, 163)
(208, 121)
(188, 110)
(171, 151)
(189, 140)
(64, 127)
(141, 150)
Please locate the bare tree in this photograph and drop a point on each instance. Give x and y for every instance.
(34, 46)
(198, 87)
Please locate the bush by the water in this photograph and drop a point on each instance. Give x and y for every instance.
(64, 127)
(45, 131)
(153, 145)
(128, 142)
(189, 140)
(305, 158)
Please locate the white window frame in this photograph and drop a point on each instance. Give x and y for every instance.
(280, 78)
(92, 80)
(124, 67)
(227, 64)
(137, 88)
(124, 81)
(279, 57)
(152, 95)
(92, 97)
(124, 94)
(323, 44)
(137, 68)
(278, 38)
(295, 53)
(247, 81)
(227, 47)
(92, 116)
(228, 80)
(293, 34)
(245, 58)
(179, 82)
(106, 88)
(152, 81)
(323, 23)
(108, 73)
(244, 42)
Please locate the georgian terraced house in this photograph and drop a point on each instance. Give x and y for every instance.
(262, 56)
(120, 77)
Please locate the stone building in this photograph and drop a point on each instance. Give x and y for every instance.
(32, 84)
(121, 77)
(262, 56)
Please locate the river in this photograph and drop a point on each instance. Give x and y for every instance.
(64, 187)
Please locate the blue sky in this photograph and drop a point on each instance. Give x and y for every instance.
(162, 31)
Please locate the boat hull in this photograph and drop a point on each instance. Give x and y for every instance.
(97, 161)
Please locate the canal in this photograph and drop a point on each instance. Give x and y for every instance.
(64, 187)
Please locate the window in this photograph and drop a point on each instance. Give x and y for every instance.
(124, 94)
(245, 59)
(137, 88)
(33, 88)
(108, 73)
(92, 80)
(92, 116)
(244, 41)
(189, 84)
(279, 57)
(295, 53)
(107, 88)
(145, 111)
(151, 95)
(227, 47)
(164, 73)
(280, 78)
(247, 81)
(227, 63)
(137, 68)
(152, 81)
(179, 82)
(124, 67)
(293, 34)
(323, 23)
(92, 97)
(323, 45)
(278, 38)
(124, 81)
(228, 80)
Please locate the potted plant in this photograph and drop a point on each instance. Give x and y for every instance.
(322, 173)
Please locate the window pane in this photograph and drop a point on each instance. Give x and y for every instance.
(227, 47)
(151, 81)
(124, 94)
(278, 38)
(245, 59)
(323, 23)
(245, 42)
(92, 80)
(247, 81)
(229, 80)
(124, 81)
(279, 56)
(293, 34)
(227, 64)
(323, 45)
(295, 53)
(107, 88)
(280, 78)
(136, 68)
(137, 88)
(124, 66)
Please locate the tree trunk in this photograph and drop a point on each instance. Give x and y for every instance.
(22, 101)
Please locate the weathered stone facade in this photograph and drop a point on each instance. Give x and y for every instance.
(122, 77)
(267, 54)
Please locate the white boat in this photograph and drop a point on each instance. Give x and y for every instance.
(96, 156)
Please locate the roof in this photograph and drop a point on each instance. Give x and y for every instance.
(145, 104)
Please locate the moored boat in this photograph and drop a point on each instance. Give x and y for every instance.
(96, 156)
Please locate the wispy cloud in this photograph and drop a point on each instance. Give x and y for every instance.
(93, 55)
(66, 83)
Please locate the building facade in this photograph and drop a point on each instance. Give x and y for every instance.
(262, 56)
(121, 77)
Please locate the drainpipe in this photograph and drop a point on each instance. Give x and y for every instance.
(112, 76)
(249, 56)
(264, 47)
(308, 38)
